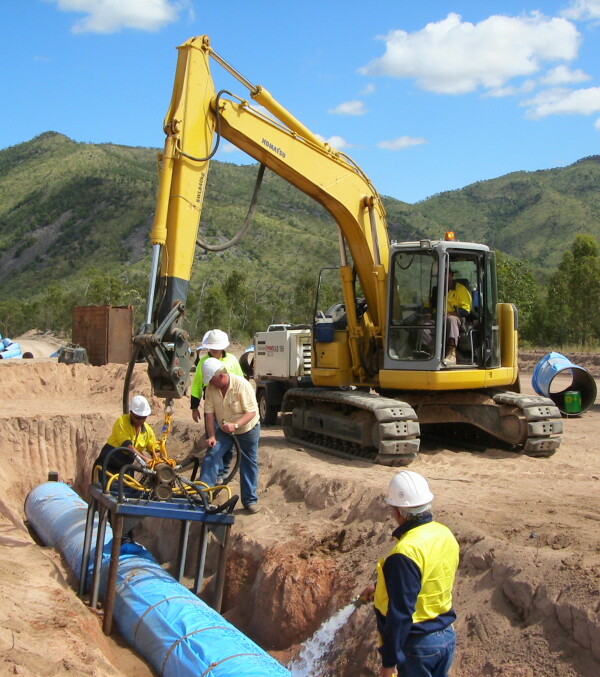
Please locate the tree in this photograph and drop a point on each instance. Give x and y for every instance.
(516, 284)
(56, 309)
(573, 295)
(214, 311)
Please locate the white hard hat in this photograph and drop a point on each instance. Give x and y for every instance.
(215, 339)
(140, 406)
(210, 367)
(408, 489)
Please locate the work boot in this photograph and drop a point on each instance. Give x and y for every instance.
(450, 359)
(252, 508)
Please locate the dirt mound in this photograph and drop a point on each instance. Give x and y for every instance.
(528, 590)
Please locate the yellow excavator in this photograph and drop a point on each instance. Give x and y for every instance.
(398, 351)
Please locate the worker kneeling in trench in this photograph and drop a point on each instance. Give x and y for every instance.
(130, 436)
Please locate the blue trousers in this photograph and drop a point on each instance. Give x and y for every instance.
(429, 655)
(213, 462)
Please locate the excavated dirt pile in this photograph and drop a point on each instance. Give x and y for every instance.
(528, 590)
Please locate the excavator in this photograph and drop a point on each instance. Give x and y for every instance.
(380, 367)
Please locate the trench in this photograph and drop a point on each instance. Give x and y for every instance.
(307, 554)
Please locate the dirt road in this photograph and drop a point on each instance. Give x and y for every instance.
(528, 593)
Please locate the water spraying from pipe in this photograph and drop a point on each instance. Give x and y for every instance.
(309, 661)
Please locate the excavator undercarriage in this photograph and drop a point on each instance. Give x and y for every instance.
(355, 424)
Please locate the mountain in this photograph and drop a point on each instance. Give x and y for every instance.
(529, 215)
(68, 208)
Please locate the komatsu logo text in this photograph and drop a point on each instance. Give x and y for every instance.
(273, 148)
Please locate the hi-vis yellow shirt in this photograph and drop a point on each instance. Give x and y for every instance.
(459, 297)
(124, 430)
(230, 362)
(433, 548)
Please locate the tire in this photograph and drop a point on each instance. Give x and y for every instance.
(267, 412)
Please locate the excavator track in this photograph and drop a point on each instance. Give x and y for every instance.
(527, 424)
(352, 424)
(542, 418)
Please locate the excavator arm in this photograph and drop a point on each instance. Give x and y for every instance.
(196, 121)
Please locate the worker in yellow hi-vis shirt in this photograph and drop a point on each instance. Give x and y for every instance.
(413, 595)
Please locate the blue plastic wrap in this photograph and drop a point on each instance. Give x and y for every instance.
(58, 515)
(180, 634)
(176, 631)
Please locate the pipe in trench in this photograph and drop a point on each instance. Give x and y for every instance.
(161, 619)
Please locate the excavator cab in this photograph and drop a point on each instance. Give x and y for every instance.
(420, 327)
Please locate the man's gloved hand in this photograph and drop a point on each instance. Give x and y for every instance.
(387, 672)
(368, 593)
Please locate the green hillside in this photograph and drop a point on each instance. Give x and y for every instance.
(75, 220)
(66, 207)
(529, 215)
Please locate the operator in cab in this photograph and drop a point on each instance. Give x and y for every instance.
(458, 306)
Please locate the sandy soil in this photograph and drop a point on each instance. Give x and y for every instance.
(528, 591)
(39, 344)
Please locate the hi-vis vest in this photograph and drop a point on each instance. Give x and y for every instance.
(433, 548)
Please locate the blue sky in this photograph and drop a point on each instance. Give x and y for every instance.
(425, 96)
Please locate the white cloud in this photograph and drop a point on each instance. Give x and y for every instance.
(582, 9)
(560, 101)
(453, 56)
(111, 16)
(369, 89)
(355, 107)
(228, 148)
(524, 88)
(597, 124)
(338, 142)
(402, 142)
(562, 75)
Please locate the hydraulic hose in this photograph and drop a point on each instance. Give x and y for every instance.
(128, 375)
(248, 220)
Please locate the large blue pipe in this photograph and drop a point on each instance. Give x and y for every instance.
(13, 350)
(176, 631)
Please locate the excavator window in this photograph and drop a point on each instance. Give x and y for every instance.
(412, 328)
(418, 329)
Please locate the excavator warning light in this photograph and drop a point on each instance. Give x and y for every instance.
(450, 235)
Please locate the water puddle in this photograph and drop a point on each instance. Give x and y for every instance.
(308, 662)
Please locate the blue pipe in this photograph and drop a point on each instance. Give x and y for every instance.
(13, 350)
(165, 622)
(581, 381)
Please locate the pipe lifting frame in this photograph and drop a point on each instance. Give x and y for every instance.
(179, 509)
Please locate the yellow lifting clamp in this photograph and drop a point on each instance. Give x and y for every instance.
(160, 453)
